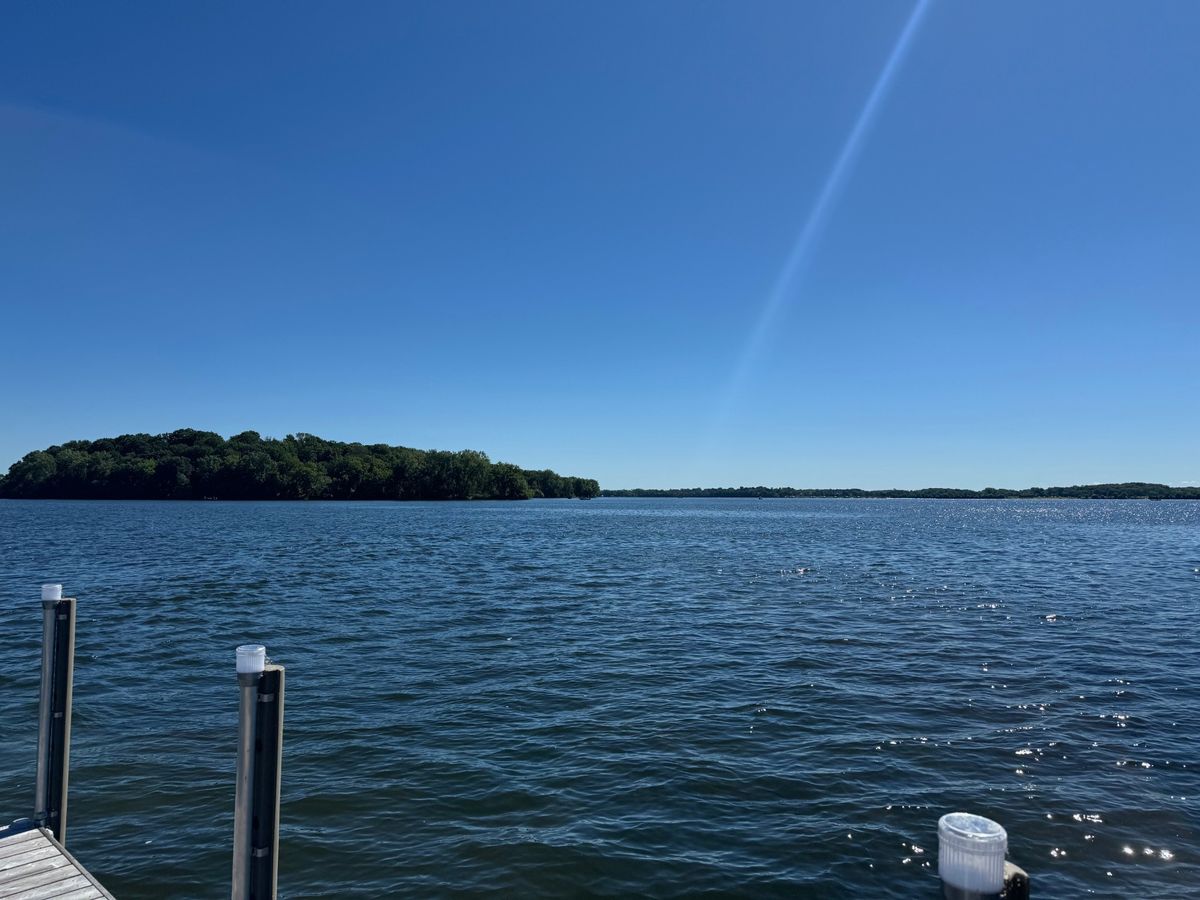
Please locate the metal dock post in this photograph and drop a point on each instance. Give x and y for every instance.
(54, 714)
(259, 764)
(33, 860)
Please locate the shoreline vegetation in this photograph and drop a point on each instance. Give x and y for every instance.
(201, 465)
(1134, 490)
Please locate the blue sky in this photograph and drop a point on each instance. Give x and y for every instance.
(631, 241)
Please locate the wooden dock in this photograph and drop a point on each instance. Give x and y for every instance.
(34, 866)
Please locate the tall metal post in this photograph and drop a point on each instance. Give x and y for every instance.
(51, 594)
(256, 802)
(54, 713)
(251, 659)
(268, 765)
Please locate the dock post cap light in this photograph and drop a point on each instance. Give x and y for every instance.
(51, 593)
(971, 853)
(251, 659)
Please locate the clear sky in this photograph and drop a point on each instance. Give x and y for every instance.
(657, 243)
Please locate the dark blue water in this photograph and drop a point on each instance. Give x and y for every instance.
(616, 698)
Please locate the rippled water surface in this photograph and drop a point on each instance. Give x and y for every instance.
(623, 697)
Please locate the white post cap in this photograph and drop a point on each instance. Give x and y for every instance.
(971, 853)
(52, 592)
(251, 659)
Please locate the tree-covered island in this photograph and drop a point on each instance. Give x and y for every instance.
(195, 465)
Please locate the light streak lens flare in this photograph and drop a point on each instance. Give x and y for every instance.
(786, 282)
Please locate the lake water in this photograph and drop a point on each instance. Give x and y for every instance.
(623, 697)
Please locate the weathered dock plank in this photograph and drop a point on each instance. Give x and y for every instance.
(36, 851)
(34, 866)
(10, 846)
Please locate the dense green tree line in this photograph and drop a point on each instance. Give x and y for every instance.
(1136, 490)
(189, 465)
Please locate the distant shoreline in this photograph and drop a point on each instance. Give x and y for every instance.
(1137, 490)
